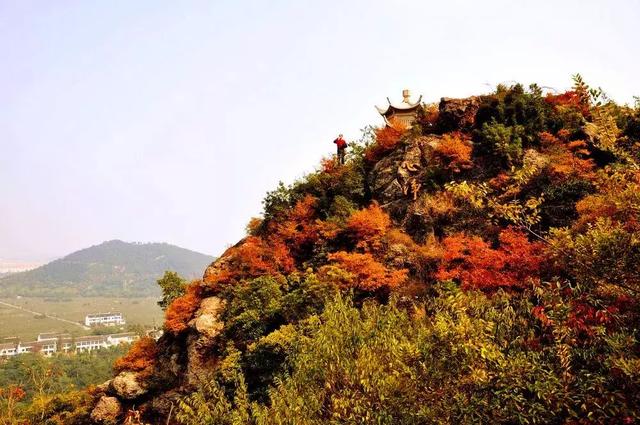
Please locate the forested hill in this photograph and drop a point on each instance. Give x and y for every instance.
(478, 267)
(113, 268)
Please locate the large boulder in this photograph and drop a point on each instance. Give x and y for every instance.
(126, 386)
(207, 319)
(107, 410)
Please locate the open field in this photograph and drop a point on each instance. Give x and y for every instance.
(13, 322)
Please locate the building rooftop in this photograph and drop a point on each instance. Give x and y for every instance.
(100, 338)
(123, 335)
(405, 106)
(53, 335)
(32, 344)
(6, 345)
(94, 315)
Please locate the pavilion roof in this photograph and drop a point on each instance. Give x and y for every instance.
(405, 106)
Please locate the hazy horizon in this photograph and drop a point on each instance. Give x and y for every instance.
(168, 122)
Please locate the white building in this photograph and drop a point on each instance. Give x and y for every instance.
(104, 319)
(44, 347)
(8, 349)
(91, 342)
(48, 347)
(50, 343)
(126, 338)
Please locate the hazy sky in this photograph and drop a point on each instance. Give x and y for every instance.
(168, 121)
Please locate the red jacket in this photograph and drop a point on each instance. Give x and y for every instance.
(340, 142)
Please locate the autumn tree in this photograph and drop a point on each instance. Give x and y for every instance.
(362, 271)
(472, 261)
(386, 138)
(567, 158)
(367, 226)
(453, 153)
(141, 357)
(181, 310)
(173, 286)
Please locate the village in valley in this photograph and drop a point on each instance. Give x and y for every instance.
(49, 343)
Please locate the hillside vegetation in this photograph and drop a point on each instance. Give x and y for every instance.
(479, 267)
(114, 268)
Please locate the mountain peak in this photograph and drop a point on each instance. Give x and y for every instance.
(113, 268)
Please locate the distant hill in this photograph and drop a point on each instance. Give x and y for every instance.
(113, 268)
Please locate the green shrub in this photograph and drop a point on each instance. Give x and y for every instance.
(505, 142)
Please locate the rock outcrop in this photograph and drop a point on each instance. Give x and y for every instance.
(457, 114)
(396, 180)
(127, 386)
(207, 320)
(207, 325)
(107, 410)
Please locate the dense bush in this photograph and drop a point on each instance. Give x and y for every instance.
(181, 310)
(140, 358)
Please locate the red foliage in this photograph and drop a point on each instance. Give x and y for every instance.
(571, 100)
(454, 153)
(12, 392)
(251, 258)
(331, 166)
(141, 357)
(584, 318)
(294, 233)
(500, 181)
(367, 273)
(387, 138)
(181, 310)
(367, 226)
(299, 228)
(566, 157)
(476, 265)
(429, 114)
(538, 313)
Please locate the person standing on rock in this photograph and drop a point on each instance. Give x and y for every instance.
(341, 144)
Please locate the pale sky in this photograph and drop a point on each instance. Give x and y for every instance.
(168, 121)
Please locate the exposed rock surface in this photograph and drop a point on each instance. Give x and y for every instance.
(208, 325)
(106, 411)
(397, 178)
(457, 114)
(220, 264)
(126, 386)
(104, 387)
(165, 403)
(207, 320)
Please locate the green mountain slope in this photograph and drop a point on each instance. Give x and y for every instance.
(113, 268)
